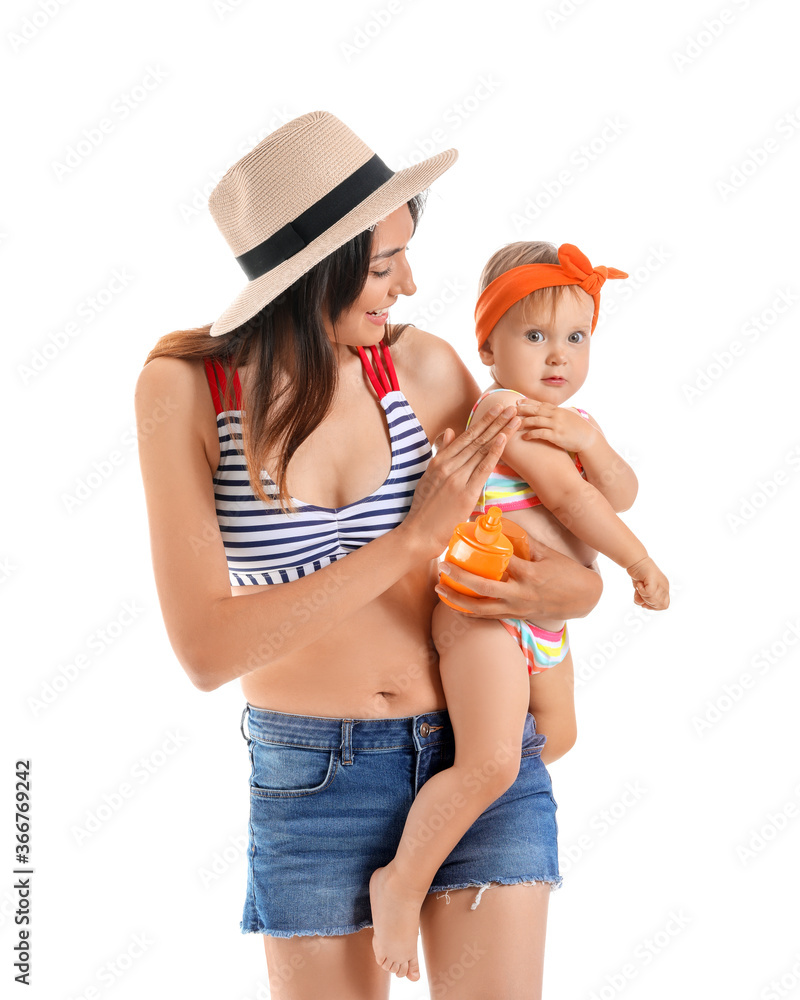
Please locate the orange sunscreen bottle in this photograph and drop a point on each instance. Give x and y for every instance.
(480, 547)
(517, 536)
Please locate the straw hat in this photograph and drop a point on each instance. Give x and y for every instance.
(301, 193)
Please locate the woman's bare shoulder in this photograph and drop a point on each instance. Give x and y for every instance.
(176, 389)
(183, 379)
(435, 380)
(181, 374)
(431, 364)
(415, 346)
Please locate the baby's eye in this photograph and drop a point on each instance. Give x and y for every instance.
(534, 336)
(576, 337)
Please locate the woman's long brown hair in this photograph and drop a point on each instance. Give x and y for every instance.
(292, 372)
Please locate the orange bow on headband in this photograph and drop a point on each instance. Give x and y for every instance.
(573, 268)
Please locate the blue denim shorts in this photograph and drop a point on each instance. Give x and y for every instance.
(328, 801)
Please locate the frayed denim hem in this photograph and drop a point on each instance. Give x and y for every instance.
(323, 932)
(444, 891)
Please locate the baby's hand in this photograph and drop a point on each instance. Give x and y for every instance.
(559, 426)
(652, 587)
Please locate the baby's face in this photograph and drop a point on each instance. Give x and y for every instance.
(545, 361)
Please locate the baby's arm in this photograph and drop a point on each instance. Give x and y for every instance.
(606, 470)
(584, 511)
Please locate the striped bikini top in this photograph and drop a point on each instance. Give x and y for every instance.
(265, 545)
(505, 488)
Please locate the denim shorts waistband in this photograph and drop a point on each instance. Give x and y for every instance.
(416, 731)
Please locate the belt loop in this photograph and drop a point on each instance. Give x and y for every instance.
(241, 724)
(347, 741)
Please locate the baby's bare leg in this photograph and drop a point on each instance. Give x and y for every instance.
(549, 624)
(485, 681)
(552, 705)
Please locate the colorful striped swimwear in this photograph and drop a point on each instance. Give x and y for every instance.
(541, 649)
(507, 490)
(265, 545)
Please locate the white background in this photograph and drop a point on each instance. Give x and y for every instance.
(667, 127)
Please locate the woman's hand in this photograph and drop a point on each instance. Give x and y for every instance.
(550, 586)
(447, 492)
(555, 424)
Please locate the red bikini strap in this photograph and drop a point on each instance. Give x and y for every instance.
(217, 382)
(390, 368)
(381, 382)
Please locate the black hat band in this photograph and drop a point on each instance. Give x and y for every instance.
(296, 235)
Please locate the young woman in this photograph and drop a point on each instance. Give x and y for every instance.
(302, 389)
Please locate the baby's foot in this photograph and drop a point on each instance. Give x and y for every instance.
(395, 918)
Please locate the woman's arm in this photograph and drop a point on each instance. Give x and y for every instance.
(217, 637)
(551, 585)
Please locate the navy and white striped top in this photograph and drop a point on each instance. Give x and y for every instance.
(265, 545)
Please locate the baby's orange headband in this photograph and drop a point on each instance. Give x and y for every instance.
(573, 268)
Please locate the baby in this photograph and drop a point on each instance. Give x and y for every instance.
(563, 483)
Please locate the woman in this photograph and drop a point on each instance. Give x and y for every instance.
(344, 707)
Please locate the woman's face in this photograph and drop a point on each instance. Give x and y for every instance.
(389, 277)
